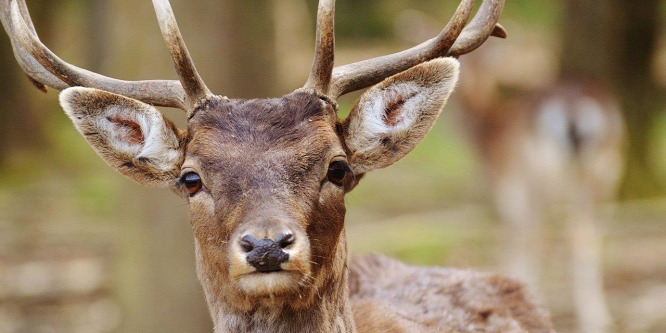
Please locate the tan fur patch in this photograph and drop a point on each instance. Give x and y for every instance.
(389, 296)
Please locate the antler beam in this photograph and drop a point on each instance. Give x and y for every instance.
(45, 68)
(454, 40)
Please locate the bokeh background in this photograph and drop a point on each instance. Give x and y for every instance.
(82, 249)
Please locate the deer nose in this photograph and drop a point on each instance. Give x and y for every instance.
(266, 255)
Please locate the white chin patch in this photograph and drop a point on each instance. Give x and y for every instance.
(269, 284)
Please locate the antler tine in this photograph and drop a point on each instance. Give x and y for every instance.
(45, 68)
(483, 25)
(322, 66)
(195, 88)
(365, 73)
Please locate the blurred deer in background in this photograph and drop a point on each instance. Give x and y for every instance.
(265, 179)
(561, 147)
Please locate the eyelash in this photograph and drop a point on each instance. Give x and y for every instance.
(338, 172)
(192, 182)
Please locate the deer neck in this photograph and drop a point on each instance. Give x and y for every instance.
(330, 313)
(328, 309)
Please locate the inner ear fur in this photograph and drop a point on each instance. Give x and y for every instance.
(131, 136)
(392, 117)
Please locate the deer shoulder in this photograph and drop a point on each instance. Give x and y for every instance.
(390, 296)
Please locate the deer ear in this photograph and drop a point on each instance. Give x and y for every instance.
(392, 117)
(131, 136)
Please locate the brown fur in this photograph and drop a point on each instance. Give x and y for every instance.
(389, 296)
(263, 166)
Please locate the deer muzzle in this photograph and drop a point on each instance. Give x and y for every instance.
(267, 255)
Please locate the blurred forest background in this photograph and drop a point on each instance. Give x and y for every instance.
(82, 249)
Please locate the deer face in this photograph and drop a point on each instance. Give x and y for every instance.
(267, 209)
(265, 179)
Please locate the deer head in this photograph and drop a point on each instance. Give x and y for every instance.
(265, 179)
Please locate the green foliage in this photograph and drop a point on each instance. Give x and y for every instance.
(374, 19)
(361, 19)
(544, 14)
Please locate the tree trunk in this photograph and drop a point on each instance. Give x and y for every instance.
(21, 126)
(249, 49)
(587, 40)
(641, 96)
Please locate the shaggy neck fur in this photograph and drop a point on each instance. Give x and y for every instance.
(329, 312)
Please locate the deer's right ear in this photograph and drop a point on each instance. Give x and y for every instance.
(392, 117)
(131, 136)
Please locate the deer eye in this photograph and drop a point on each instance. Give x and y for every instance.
(337, 171)
(192, 182)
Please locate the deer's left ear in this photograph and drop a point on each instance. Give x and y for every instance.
(392, 117)
(131, 136)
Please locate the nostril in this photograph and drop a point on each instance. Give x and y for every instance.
(246, 243)
(285, 239)
(266, 255)
(246, 246)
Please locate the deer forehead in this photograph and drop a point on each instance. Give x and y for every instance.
(256, 143)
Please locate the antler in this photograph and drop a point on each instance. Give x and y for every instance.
(44, 68)
(452, 41)
(195, 88)
(324, 58)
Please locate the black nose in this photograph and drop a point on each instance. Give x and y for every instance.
(266, 255)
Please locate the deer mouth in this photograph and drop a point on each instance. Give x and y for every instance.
(271, 283)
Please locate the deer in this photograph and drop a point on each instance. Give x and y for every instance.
(265, 179)
(556, 152)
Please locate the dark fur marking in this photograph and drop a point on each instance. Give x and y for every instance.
(485, 314)
(143, 159)
(575, 137)
(132, 129)
(391, 114)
